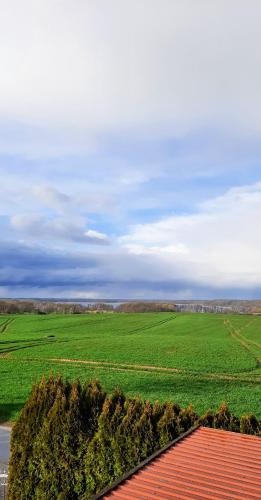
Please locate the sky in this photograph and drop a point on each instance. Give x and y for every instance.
(130, 149)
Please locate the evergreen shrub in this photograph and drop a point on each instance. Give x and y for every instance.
(72, 440)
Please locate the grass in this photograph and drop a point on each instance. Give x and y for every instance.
(201, 359)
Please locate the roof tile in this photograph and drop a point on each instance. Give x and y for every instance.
(206, 464)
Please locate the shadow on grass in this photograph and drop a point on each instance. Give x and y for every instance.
(9, 412)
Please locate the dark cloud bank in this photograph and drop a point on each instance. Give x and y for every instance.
(28, 272)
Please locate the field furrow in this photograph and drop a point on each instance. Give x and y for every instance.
(202, 359)
(244, 342)
(5, 325)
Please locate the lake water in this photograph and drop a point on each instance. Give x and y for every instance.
(88, 303)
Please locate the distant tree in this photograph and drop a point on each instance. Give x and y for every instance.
(142, 307)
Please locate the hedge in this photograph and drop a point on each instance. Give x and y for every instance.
(72, 440)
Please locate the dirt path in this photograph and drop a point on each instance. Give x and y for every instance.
(149, 368)
(125, 367)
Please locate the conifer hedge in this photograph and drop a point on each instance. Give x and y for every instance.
(72, 440)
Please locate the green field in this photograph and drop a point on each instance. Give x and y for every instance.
(201, 359)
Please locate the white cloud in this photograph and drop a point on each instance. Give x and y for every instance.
(110, 77)
(91, 233)
(55, 229)
(220, 245)
(101, 67)
(51, 197)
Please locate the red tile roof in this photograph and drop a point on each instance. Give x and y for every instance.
(206, 464)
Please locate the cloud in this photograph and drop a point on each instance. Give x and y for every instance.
(212, 252)
(151, 68)
(218, 245)
(93, 202)
(30, 271)
(96, 235)
(51, 197)
(55, 229)
(128, 123)
(160, 270)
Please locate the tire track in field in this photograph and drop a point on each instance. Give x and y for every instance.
(7, 350)
(256, 344)
(102, 320)
(143, 368)
(2, 325)
(151, 325)
(237, 332)
(252, 342)
(243, 341)
(5, 325)
(76, 324)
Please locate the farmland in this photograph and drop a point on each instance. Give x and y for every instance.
(201, 359)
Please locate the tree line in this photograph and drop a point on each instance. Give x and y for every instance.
(13, 306)
(72, 440)
(45, 307)
(49, 307)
